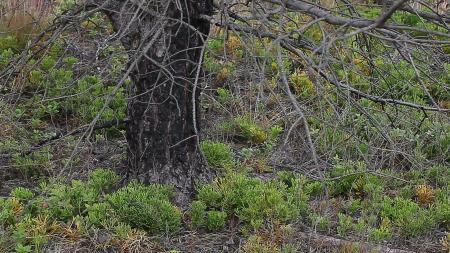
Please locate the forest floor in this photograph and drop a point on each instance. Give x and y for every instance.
(366, 193)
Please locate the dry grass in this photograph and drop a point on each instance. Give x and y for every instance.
(23, 18)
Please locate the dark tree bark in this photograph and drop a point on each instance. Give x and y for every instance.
(164, 41)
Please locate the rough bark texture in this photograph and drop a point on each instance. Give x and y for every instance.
(161, 132)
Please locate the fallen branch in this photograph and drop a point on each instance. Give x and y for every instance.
(323, 241)
(61, 135)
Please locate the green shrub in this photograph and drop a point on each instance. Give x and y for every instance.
(146, 207)
(251, 131)
(20, 248)
(9, 208)
(216, 220)
(255, 202)
(224, 95)
(379, 234)
(345, 224)
(274, 132)
(439, 175)
(217, 154)
(102, 180)
(98, 213)
(198, 213)
(351, 177)
(22, 194)
(67, 201)
(442, 207)
(257, 244)
(320, 222)
(407, 216)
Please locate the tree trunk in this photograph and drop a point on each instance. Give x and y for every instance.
(162, 110)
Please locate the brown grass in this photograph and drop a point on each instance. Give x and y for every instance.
(23, 18)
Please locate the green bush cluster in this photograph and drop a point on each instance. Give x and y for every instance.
(30, 217)
(256, 203)
(84, 97)
(381, 215)
(146, 207)
(217, 154)
(57, 91)
(353, 178)
(407, 216)
(251, 131)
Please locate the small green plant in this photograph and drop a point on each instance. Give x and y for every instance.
(257, 244)
(103, 179)
(98, 213)
(30, 217)
(22, 194)
(381, 233)
(360, 226)
(345, 224)
(320, 222)
(198, 213)
(224, 95)
(146, 207)
(217, 154)
(274, 132)
(20, 248)
(255, 202)
(215, 220)
(402, 211)
(354, 206)
(251, 131)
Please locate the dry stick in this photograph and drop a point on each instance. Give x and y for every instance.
(194, 104)
(58, 136)
(378, 23)
(305, 172)
(330, 18)
(323, 241)
(297, 107)
(291, 46)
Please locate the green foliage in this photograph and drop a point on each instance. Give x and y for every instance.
(402, 211)
(224, 95)
(351, 177)
(216, 220)
(354, 207)
(274, 132)
(345, 223)
(251, 131)
(5, 56)
(22, 194)
(255, 202)
(320, 222)
(34, 164)
(20, 248)
(58, 93)
(439, 175)
(442, 206)
(379, 234)
(146, 207)
(29, 217)
(198, 213)
(257, 244)
(102, 180)
(98, 213)
(217, 154)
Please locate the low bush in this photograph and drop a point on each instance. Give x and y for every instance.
(146, 207)
(29, 217)
(255, 202)
(217, 154)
